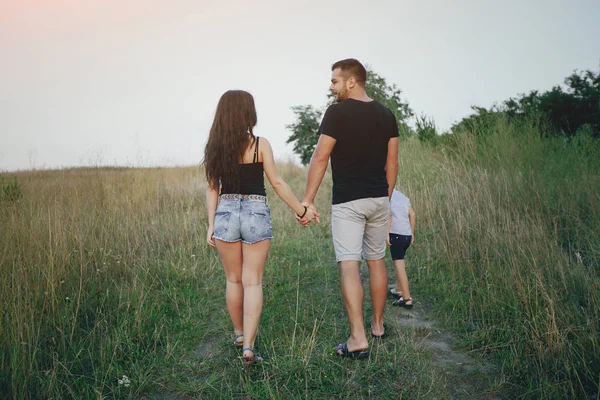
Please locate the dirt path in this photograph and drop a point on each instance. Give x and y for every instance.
(466, 378)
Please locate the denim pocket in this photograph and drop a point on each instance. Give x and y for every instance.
(260, 222)
(222, 222)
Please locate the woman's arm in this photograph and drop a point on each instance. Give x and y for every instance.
(281, 188)
(212, 198)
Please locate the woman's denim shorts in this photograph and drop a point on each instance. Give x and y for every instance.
(243, 217)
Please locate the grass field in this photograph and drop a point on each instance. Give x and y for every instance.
(104, 273)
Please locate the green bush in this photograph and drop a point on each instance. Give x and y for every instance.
(10, 189)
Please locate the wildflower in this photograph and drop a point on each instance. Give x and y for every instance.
(67, 298)
(124, 381)
(193, 255)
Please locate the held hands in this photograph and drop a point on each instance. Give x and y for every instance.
(310, 215)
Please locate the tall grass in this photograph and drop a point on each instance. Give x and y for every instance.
(87, 257)
(105, 272)
(108, 290)
(508, 229)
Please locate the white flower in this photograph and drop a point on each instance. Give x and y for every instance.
(124, 381)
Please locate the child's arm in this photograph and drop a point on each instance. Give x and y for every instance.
(412, 217)
(387, 235)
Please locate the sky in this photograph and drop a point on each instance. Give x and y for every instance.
(136, 82)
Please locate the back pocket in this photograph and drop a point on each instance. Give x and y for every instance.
(260, 223)
(222, 222)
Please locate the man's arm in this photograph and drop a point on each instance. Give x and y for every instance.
(391, 165)
(318, 166)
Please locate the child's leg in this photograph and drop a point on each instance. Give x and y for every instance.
(401, 279)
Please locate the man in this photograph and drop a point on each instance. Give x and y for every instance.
(361, 137)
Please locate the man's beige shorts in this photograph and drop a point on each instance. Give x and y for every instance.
(359, 228)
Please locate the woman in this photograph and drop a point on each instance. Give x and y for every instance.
(239, 220)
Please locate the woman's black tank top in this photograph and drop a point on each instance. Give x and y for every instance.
(252, 179)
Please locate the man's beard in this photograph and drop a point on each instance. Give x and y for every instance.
(339, 97)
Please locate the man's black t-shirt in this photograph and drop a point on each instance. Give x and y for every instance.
(362, 131)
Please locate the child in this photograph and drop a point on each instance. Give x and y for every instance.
(401, 233)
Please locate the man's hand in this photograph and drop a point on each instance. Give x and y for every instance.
(412, 239)
(312, 207)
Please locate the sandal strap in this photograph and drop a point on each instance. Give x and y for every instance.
(238, 336)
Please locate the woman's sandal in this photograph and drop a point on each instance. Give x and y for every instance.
(235, 340)
(402, 302)
(342, 351)
(395, 293)
(256, 358)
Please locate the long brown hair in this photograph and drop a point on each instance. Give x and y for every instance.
(229, 138)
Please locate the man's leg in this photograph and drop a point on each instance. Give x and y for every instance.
(378, 285)
(352, 294)
(347, 228)
(378, 213)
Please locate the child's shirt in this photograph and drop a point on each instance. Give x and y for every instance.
(399, 205)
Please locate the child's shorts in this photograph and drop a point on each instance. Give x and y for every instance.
(399, 245)
(243, 217)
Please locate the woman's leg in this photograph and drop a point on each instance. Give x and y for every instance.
(231, 255)
(254, 258)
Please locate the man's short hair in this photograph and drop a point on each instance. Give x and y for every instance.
(353, 68)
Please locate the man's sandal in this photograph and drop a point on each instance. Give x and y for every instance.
(395, 293)
(402, 302)
(374, 336)
(256, 358)
(342, 351)
(235, 340)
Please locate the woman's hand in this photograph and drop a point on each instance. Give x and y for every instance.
(209, 236)
(387, 240)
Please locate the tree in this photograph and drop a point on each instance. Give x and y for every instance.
(304, 129)
(567, 109)
(478, 123)
(425, 129)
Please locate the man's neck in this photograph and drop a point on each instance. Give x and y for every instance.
(360, 95)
